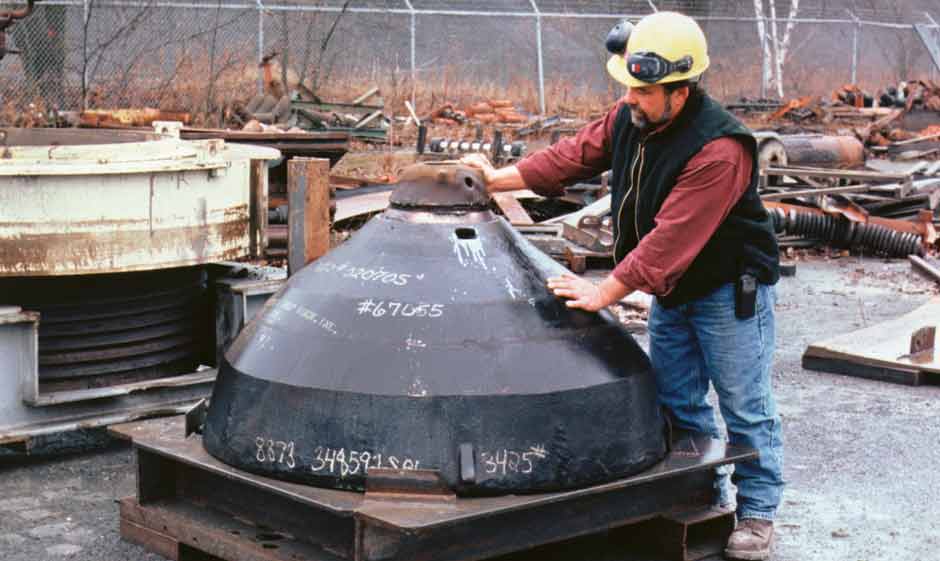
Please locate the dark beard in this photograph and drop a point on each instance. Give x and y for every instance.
(640, 120)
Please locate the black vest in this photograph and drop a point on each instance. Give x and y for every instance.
(646, 166)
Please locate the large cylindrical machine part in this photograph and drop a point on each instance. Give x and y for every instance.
(107, 235)
(139, 203)
(429, 341)
(822, 150)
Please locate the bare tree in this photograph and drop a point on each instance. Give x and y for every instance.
(154, 51)
(93, 55)
(314, 53)
(41, 38)
(775, 45)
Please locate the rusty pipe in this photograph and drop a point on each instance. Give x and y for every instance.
(823, 150)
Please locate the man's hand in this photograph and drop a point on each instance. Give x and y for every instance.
(586, 295)
(502, 179)
(482, 163)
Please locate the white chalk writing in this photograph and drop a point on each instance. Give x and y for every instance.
(504, 461)
(417, 388)
(264, 340)
(350, 462)
(303, 312)
(413, 344)
(381, 308)
(470, 252)
(513, 291)
(380, 275)
(275, 451)
(517, 293)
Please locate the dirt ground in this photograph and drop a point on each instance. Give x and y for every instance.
(861, 456)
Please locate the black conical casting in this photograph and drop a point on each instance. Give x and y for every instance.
(428, 341)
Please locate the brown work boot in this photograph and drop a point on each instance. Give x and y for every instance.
(751, 540)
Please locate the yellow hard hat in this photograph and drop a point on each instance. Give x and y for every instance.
(663, 47)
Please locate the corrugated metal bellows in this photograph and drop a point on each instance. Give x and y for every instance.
(149, 324)
(875, 238)
(429, 341)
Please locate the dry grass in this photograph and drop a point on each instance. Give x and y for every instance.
(214, 101)
(32, 114)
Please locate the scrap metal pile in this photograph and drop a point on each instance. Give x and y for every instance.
(853, 172)
(881, 197)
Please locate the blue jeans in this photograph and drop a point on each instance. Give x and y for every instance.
(701, 342)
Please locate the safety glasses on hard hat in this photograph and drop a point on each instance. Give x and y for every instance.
(649, 67)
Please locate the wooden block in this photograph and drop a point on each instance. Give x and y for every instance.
(308, 201)
(511, 208)
(212, 534)
(258, 211)
(576, 262)
(149, 539)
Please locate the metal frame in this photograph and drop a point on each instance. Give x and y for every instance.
(237, 301)
(27, 412)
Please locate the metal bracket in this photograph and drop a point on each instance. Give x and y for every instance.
(237, 302)
(408, 485)
(592, 232)
(922, 344)
(590, 227)
(19, 353)
(196, 417)
(467, 463)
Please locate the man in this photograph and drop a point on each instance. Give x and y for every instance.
(690, 229)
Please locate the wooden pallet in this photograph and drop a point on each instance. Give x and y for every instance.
(190, 507)
(187, 532)
(889, 351)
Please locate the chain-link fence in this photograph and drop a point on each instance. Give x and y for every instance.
(204, 57)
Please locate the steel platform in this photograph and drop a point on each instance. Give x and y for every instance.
(191, 506)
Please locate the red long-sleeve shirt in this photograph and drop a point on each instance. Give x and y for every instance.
(709, 186)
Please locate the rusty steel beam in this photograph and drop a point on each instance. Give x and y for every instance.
(930, 269)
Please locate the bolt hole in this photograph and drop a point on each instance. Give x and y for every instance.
(236, 533)
(468, 182)
(466, 234)
(269, 537)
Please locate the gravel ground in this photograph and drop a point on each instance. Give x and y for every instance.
(861, 456)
